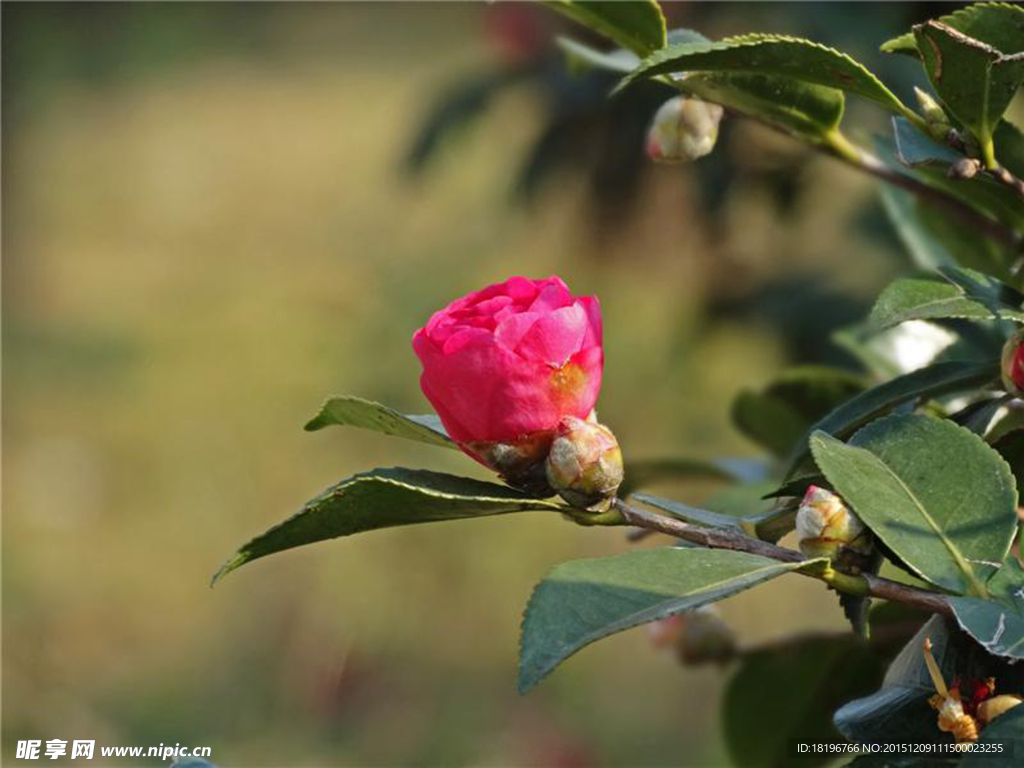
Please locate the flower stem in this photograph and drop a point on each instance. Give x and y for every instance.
(864, 584)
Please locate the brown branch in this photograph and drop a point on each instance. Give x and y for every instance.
(736, 540)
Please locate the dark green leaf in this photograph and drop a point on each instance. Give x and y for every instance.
(975, 80)
(1009, 143)
(382, 498)
(937, 379)
(689, 514)
(777, 416)
(914, 148)
(1011, 448)
(998, 624)
(904, 210)
(803, 109)
(935, 493)
(584, 600)
(1008, 730)
(998, 629)
(807, 679)
(929, 163)
(777, 55)
(638, 26)
(899, 710)
(348, 410)
(960, 293)
(997, 24)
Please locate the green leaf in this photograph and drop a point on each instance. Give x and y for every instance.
(807, 679)
(1009, 143)
(997, 24)
(935, 494)
(686, 513)
(1011, 448)
(382, 498)
(805, 110)
(348, 410)
(998, 624)
(782, 56)
(899, 710)
(997, 628)
(904, 210)
(1007, 729)
(584, 600)
(638, 26)
(914, 148)
(962, 293)
(975, 80)
(777, 416)
(937, 379)
(928, 162)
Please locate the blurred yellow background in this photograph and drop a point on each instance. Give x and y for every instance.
(206, 232)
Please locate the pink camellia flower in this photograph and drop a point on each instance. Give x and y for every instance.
(509, 361)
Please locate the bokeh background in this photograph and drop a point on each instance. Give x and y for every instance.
(217, 214)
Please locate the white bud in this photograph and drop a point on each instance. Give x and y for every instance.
(824, 524)
(683, 129)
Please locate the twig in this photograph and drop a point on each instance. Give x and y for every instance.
(840, 147)
(1003, 175)
(723, 538)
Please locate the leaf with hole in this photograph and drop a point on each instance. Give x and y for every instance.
(382, 498)
(348, 410)
(933, 492)
(584, 600)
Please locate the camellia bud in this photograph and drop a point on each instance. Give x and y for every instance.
(1013, 363)
(683, 129)
(934, 115)
(824, 525)
(584, 465)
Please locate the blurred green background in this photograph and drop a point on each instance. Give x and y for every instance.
(209, 227)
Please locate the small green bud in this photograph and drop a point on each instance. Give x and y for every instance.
(584, 465)
(825, 525)
(683, 129)
(934, 115)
